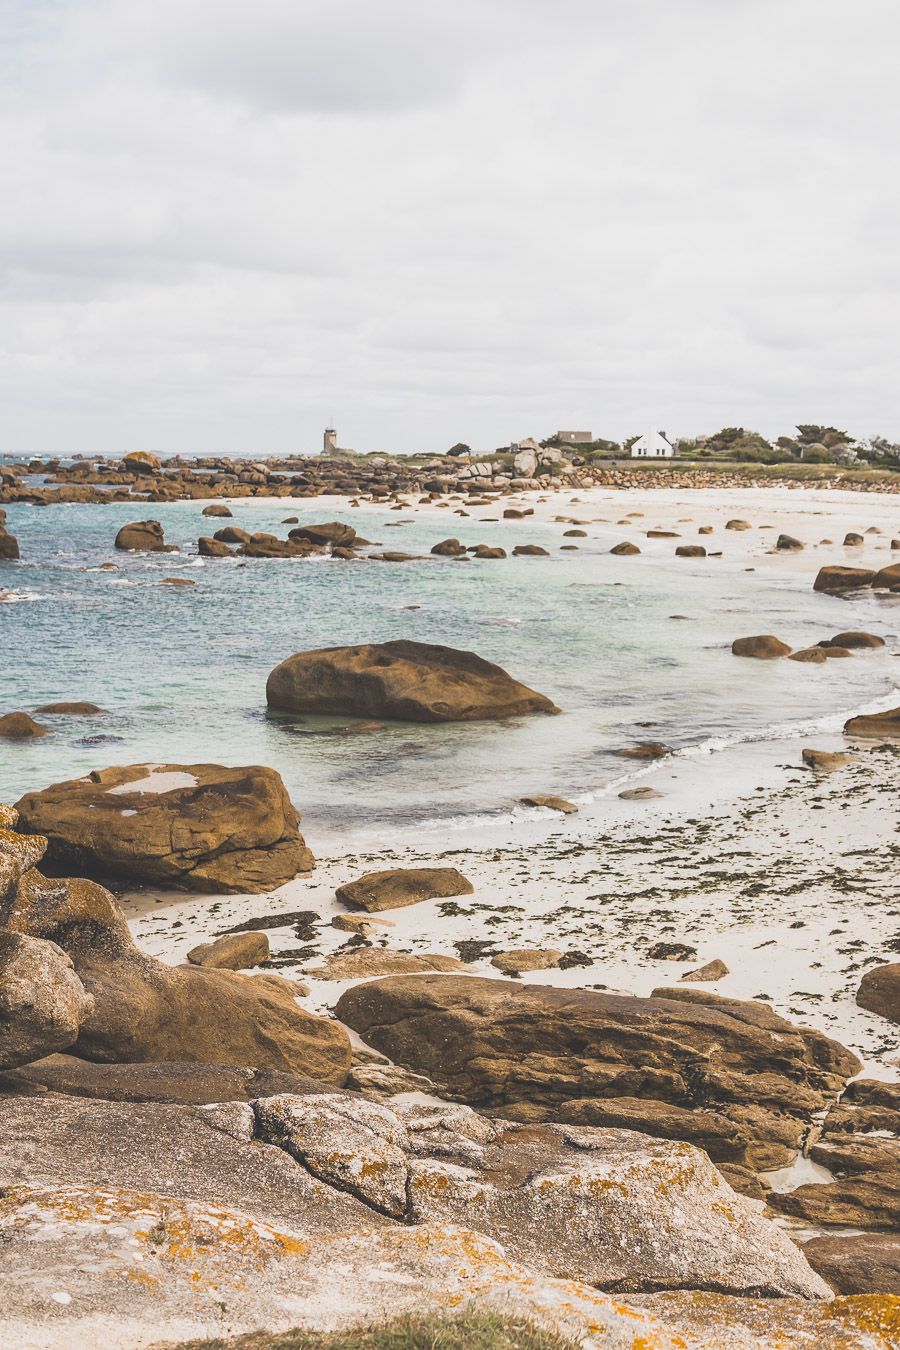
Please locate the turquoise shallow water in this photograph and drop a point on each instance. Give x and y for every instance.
(182, 671)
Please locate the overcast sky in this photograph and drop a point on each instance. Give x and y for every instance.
(227, 222)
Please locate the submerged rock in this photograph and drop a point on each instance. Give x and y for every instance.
(70, 709)
(551, 803)
(18, 726)
(762, 648)
(403, 681)
(854, 640)
(644, 750)
(200, 826)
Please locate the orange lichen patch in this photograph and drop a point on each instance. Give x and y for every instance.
(720, 1322)
(878, 1314)
(144, 1278)
(29, 847)
(171, 1229)
(485, 1272)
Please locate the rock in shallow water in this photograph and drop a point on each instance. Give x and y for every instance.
(886, 724)
(763, 648)
(18, 726)
(143, 536)
(401, 681)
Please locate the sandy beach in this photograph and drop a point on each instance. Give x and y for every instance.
(788, 876)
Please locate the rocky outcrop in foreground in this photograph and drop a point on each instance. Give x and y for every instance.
(200, 826)
(42, 1001)
(324, 1209)
(609, 1207)
(733, 1077)
(859, 1144)
(111, 1002)
(400, 681)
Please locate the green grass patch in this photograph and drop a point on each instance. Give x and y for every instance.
(467, 1331)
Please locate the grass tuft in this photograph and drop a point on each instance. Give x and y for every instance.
(467, 1331)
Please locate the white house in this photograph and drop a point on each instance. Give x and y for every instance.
(652, 446)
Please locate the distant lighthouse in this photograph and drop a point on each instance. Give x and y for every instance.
(329, 441)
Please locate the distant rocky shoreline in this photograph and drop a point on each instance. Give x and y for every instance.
(144, 477)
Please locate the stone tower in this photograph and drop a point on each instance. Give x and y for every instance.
(329, 441)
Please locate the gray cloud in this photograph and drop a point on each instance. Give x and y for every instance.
(227, 221)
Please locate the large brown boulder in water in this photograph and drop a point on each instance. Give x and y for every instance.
(763, 648)
(835, 578)
(144, 536)
(733, 1077)
(142, 461)
(888, 577)
(18, 726)
(144, 1011)
(331, 532)
(198, 826)
(401, 681)
(886, 724)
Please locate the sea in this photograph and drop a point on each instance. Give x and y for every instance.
(631, 649)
